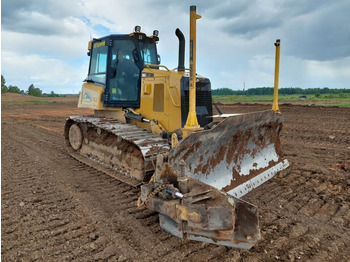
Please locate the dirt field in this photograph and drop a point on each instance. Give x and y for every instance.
(54, 208)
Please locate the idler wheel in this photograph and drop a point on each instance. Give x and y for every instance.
(75, 137)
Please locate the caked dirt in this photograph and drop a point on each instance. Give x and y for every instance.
(54, 208)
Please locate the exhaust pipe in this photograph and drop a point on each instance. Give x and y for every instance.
(181, 64)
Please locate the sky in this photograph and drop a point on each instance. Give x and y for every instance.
(44, 42)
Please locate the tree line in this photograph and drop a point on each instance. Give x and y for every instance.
(282, 91)
(32, 90)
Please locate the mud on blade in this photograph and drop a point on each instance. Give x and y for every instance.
(236, 156)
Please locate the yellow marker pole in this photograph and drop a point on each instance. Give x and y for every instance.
(192, 122)
(277, 67)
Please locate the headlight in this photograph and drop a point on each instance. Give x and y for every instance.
(155, 33)
(137, 29)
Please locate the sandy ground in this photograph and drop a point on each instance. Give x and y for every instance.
(54, 208)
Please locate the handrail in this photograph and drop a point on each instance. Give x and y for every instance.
(176, 69)
(171, 96)
(149, 66)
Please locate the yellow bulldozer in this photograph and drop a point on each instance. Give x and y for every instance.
(154, 128)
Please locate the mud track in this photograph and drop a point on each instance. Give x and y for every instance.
(56, 209)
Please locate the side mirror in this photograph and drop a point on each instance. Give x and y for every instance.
(158, 59)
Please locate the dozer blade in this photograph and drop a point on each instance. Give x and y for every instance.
(237, 155)
(190, 209)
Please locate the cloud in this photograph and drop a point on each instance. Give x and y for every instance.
(48, 74)
(227, 9)
(40, 24)
(234, 39)
(321, 34)
(329, 71)
(246, 19)
(316, 30)
(34, 17)
(46, 45)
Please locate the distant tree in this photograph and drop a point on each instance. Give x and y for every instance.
(52, 94)
(33, 91)
(260, 91)
(14, 89)
(4, 88)
(222, 91)
(283, 91)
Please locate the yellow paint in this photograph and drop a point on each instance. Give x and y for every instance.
(160, 99)
(181, 212)
(195, 217)
(160, 94)
(174, 140)
(90, 45)
(192, 122)
(184, 214)
(277, 65)
(99, 44)
(147, 89)
(90, 96)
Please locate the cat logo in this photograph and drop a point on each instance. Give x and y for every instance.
(99, 44)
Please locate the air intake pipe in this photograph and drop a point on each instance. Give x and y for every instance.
(181, 64)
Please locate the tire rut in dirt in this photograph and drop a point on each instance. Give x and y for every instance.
(304, 211)
(57, 208)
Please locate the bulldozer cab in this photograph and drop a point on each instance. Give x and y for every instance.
(116, 63)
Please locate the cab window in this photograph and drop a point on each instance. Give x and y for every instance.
(98, 64)
(148, 52)
(125, 77)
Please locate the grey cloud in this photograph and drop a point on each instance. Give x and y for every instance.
(250, 19)
(56, 9)
(301, 7)
(315, 30)
(244, 18)
(39, 17)
(250, 28)
(227, 9)
(322, 35)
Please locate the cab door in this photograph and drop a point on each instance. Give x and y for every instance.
(124, 83)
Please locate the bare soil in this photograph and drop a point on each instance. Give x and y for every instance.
(54, 208)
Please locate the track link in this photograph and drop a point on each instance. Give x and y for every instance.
(120, 150)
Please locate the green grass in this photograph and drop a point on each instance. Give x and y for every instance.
(29, 102)
(341, 100)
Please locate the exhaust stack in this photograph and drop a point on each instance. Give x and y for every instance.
(181, 63)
